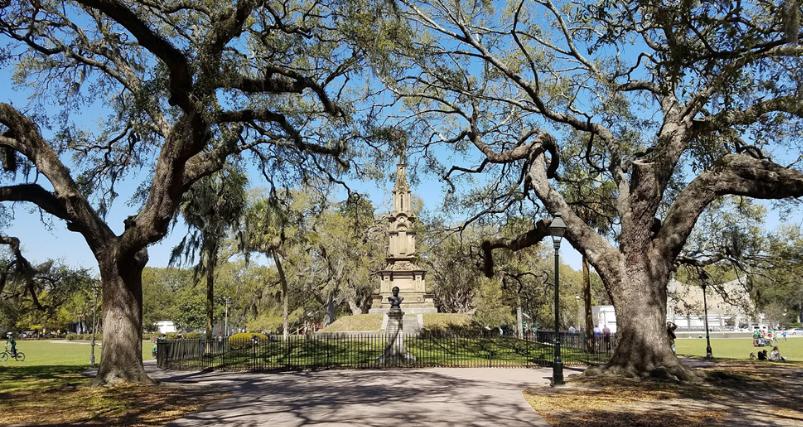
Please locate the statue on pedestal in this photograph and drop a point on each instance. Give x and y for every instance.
(395, 350)
(395, 300)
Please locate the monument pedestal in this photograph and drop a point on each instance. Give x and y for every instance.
(412, 287)
(395, 350)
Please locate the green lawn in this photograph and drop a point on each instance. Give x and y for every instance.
(69, 353)
(792, 349)
(49, 388)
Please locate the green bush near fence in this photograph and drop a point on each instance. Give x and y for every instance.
(244, 340)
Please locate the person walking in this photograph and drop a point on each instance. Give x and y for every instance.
(606, 337)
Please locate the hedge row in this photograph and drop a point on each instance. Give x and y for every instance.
(84, 337)
(174, 335)
(244, 340)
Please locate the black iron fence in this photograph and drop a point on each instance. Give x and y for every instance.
(601, 345)
(330, 351)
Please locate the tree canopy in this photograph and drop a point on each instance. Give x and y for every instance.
(666, 106)
(175, 88)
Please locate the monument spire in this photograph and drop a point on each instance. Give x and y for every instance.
(401, 269)
(401, 174)
(401, 190)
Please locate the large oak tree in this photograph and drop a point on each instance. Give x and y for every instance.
(178, 87)
(666, 105)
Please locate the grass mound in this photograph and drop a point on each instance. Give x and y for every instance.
(357, 323)
(434, 321)
(373, 322)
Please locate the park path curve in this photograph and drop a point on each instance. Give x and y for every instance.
(412, 397)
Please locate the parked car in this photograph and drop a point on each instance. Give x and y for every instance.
(28, 334)
(795, 331)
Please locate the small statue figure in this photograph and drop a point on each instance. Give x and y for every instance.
(395, 301)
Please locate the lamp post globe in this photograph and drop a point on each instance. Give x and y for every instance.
(556, 229)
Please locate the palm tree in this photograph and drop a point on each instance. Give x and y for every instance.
(211, 207)
(270, 229)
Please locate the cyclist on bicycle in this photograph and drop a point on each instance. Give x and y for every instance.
(13, 343)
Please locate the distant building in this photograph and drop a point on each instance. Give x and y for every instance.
(165, 326)
(729, 308)
(604, 315)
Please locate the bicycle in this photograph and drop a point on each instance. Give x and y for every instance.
(20, 357)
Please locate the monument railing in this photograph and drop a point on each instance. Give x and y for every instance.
(428, 349)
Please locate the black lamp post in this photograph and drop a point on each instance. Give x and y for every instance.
(94, 325)
(708, 353)
(556, 229)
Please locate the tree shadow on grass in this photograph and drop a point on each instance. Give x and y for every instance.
(735, 394)
(60, 395)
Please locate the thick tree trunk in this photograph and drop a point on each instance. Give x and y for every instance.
(329, 316)
(355, 309)
(285, 297)
(642, 344)
(121, 356)
(519, 320)
(211, 261)
(587, 300)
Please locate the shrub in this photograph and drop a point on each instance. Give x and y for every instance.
(72, 337)
(192, 335)
(243, 340)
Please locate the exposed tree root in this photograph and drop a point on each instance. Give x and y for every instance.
(115, 377)
(672, 372)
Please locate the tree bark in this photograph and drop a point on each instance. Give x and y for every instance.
(121, 355)
(642, 344)
(211, 264)
(285, 297)
(354, 307)
(519, 320)
(587, 302)
(329, 316)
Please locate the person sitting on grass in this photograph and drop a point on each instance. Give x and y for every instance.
(762, 355)
(775, 355)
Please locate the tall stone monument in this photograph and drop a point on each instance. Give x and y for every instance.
(401, 269)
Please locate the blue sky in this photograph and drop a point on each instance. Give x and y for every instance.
(53, 241)
(41, 242)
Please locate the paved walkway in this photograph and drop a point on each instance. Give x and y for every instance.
(412, 397)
